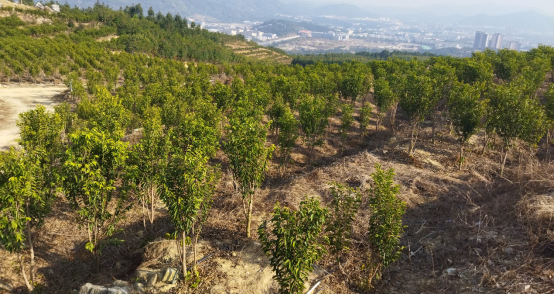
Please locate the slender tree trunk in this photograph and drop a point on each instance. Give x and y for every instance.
(434, 123)
(32, 253)
(393, 118)
(548, 134)
(411, 140)
(29, 286)
(485, 143)
(96, 253)
(461, 155)
(184, 256)
(152, 199)
(393, 113)
(504, 161)
(194, 248)
(416, 136)
(143, 213)
(249, 220)
(31, 248)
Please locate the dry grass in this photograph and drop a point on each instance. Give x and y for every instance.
(495, 232)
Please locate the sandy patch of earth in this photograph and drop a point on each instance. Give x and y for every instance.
(15, 100)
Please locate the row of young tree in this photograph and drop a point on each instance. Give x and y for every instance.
(186, 113)
(185, 120)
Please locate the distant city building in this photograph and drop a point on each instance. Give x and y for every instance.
(513, 45)
(496, 41)
(481, 40)
(305, 33)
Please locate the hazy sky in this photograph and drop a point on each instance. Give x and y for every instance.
(537, 4)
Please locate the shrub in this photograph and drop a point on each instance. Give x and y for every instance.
(293, 243)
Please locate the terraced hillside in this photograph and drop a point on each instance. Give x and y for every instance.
(255, 52)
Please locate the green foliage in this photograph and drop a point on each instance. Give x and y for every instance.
(92, 165)
(346, 121)
(245, 148)
(549, 109)
(465, 110)
(384, 97)
(362, 56)
(344, 207)
(385, 220)
(41, 131)
(313, 119)
(515, 116)
(417, 102)
(223, 96)
(147, 162)
(288, 134)
(365, 118)
(189, 186)
(106, 112)
(23, 202)
(276, 111)
(291, 241)
(351, 85)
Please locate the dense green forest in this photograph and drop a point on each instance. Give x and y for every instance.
(363, 56)
(194, 101)
(158, 35)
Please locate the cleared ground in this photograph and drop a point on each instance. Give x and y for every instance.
(15, 100)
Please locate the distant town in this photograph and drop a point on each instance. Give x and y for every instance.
(377, 34)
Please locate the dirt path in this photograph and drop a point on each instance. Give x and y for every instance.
(15, 100)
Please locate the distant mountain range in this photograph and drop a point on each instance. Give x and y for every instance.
(526, 20)
(263, 10)
(223, 10)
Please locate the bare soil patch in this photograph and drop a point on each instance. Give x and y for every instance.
(17, 99)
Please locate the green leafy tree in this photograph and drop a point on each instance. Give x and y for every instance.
(442, 77)
(248, 156)
(344, 207)
(106, 112)
(364, 119)
(275, 112)
(223, 96)
(189, 187)
(111, 74)
(313, 113)
(466, 111)
(385, 221)
(417, 103)
(287, 136)
(384, 99)
(347, 119)
(76, 87)
(41, 132)
(352, 86)
(291, 240)
(23, 205)
(514, 116)
(148, 160)
(92, 166)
